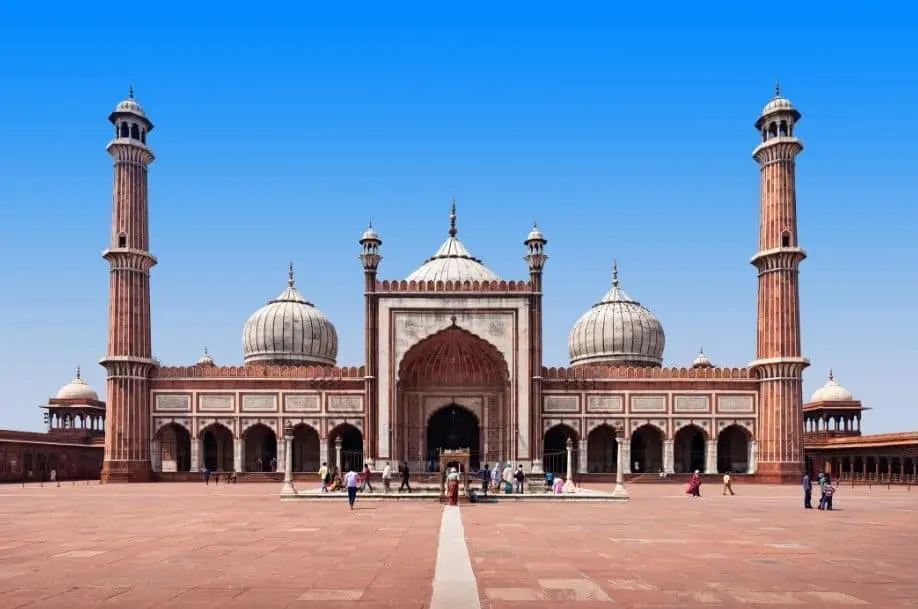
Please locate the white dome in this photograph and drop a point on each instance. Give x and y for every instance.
(702, 361)
(130, 106)
(535, 234)
(289, 330)
(370, 234)
(206, 359)
(453, 262)
(617, 330)
(778, 103)
(832, 392)
(77, 389)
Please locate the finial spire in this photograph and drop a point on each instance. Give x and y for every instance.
(290, 275)
(614, 273)
(701, 351)
(452, 219)
(78, 371)
(205, 350)
(777, 88)
(131, 91)
(831, 376)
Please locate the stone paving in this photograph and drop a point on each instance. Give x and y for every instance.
(187, 545)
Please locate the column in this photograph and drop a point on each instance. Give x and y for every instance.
(619, 492)
(753, 456)
(282, 455)
(710, 462)
(669, 457)
(238, 457)
(626, 456)
(156, 455)
(582, 455)
(323, 450)
(338, 453)
(288, 489)
(569, 480)
(197, 451)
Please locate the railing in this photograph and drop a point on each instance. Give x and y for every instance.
(873, 479)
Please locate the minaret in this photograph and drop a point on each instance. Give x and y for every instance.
(370, 258)
(129, 361)
(779, 363)
(536, 258)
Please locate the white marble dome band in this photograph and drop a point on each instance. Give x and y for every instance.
(290, 330)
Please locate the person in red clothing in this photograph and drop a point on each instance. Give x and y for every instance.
(365, 478)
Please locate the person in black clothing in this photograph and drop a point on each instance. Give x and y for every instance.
(405, 472)
(485, 476)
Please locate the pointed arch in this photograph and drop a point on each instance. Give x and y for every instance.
(554, 448)
(175, 447)
(689, 446)
(733, 442)
(307, 455)
(260, 450)
(217, 441)
(453, 356)
(647, 449)
(602, 450)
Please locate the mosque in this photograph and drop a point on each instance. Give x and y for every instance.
(453, 359)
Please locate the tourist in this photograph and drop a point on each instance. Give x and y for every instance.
(273, 464)
(822, 491)
(324, 476)
(387, 478)
(807, 492)
(406, 473)
(205, 473)
(558, 486)
(217, 477)
(485, 476)
(365, 478)
(350, 481)
(828, 493)
(519, 476)
(452, 486)
(728, 484)
(508, 478)
(53, 476)
(694, 485)
(495, 477)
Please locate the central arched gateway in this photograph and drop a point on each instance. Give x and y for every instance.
(453, 392)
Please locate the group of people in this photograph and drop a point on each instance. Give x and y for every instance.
(694, 486)
(228, 477)
(511, 480)
(355, 482)
(826, 492)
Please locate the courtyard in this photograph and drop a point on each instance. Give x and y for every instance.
(190, 545)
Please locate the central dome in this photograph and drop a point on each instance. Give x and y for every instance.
(617, 330)
(453, 262)
(289, 330)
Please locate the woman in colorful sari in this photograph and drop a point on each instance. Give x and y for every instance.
(694, 485)
(452, 486)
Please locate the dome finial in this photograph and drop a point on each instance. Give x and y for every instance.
(701, 351)
(131, 91)
(205, 350)
(614, 272)
(831, 376)
(290, 275)
(777, 88)
(452, 219)
(78, 371)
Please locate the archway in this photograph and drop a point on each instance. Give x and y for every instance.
(306, 451)
(351, 447)
(218, 448)
(453, 427)
(646, 450)
(733, 449)
(554, 449)
(260, 448)
(689, 450)
(602, 451)
(440, 369)
(175, 448)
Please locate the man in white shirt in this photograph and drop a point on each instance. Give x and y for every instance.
(386, 477)
(350, 481)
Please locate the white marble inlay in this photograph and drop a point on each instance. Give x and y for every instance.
(79, 554)
(454, 585)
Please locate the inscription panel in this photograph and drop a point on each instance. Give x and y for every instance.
(302, 403)
(735, 404)
(345, 403)
(172, 402)
(648, 403)
(259, 402)
(605, 403)
(562, 403)
(691, 403)
(216, 403)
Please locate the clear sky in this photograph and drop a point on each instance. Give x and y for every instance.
(626, 133)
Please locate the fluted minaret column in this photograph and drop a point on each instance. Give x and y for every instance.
(376, 443)
(536, 258)
(779, 362)
(129, 361)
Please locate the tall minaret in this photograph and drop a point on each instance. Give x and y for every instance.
(370, 259)
(129, 361)
(536, 258)
(779, 363)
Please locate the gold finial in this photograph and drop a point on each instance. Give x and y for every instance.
(452, 219)
(290, 275)
(831, 376)
(131, 91)
(777, 88)
(614, 273)
(78, 371)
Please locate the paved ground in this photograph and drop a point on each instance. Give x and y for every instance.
(186, 545)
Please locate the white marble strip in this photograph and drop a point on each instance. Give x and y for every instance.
(454, 585)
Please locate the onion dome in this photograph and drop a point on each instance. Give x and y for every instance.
(77, 389)
(702, 361)
(453, 262)
(370, 235)
(778, 105)
(535, 234)
(206, 359)
(832, 392)
(617, 330)
(131, 106)
(289, 330)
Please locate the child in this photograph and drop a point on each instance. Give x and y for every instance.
(827, 497)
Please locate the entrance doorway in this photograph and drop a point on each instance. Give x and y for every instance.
(454, 427)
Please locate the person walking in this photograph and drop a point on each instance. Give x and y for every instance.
(728, 484)
(350, 481)
(694, 485)
(406, 473)
(387, 478)
(324, 476)
(485, 475)
(807, 492)
(365, 482)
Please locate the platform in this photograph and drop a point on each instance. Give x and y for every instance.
(579, 495)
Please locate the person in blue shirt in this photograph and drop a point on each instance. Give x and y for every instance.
(807, 492)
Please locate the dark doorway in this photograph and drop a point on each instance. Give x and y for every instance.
(554, 449)
(689, 450)
(451, 428)
(260, 449)
(351, 448)
(218, 449)
(647, 450)
(733, 450)
(602, 451)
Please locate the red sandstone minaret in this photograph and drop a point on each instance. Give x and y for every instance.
(370, 259)
(779, 363)
(536, 258)
(129, 360)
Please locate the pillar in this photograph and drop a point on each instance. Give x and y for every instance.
(669, 457)
(238, 457)
(582, 456)
(197, 453)
(288, 488)
(156, 455)
(282, 455)
(626, 455)
(323, 450)
(619, 492)
(710, 454)
(569, 481)
(753, 455)
(338, 453)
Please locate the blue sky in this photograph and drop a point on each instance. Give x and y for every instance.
(627, 135)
